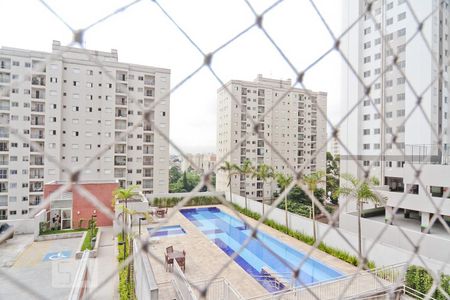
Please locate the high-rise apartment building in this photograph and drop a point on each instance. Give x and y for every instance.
(205, 162)
(295, 127)
(407, 135)
(72, 107)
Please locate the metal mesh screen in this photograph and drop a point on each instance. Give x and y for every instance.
(256, 23)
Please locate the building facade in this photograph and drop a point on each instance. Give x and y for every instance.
(71, 107)
(385, 146)
(204, 161)
(294, 127)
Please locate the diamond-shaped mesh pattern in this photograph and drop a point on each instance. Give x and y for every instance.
(257, 24)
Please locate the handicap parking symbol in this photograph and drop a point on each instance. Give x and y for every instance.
(52, 256)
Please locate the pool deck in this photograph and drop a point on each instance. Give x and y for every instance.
(204, 259)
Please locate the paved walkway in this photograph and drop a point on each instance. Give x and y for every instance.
(104, 265)
(11, 249)
(43, 270)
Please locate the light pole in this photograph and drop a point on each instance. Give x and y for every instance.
(140, 219)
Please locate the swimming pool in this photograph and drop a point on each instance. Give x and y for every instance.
(229, 233)
(174, 230)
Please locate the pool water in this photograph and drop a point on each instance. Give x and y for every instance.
(164, 231)
(229, 233)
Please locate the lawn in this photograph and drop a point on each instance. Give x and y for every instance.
(87, 239)
(47, 232)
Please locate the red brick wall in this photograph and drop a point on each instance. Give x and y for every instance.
(82, 208)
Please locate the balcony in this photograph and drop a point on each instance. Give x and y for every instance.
(37, 107)
(119, 173)
(4, 119)
(36, 149)
(148, 138)
(148, 103)
(5, 78)
(147, 161)
(149, 80)
(148, 173)
(121, 88)
(36, 133)
(4, 146)
(120, 125)
(121, 76)
(148, 127)
(38, 66)
(38, 161)
(4, 161)
(120, 161)
(120, 100)
(35, 200)
(149, 92)
(37, 121)
(3, 173)
(37, 175)
(38, 80)
(37, 94)
(36, 187)
(120, 149)
(119, 138)
(147, 184)
(4, 105)
(121, 113)
(4, 200)
(5, 92)
(5, 64)
(148, 149)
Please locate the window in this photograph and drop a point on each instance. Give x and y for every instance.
(401, 48)
(389, 21)
(389, 114)
(377, 100)
(401, 32)
(400, 113)
(366, 117)
(75, 133)
(12, 212)
(377, 56)
(376, 131)
(366, 102)
(367, 45)
(366, 146)
(366, 74)
(366, 131)
(389, 83)
(75, 108)
(376, 146)
(400, 81)
(389, 130)
(376, 116)
(366, 163)
(401, 16)
(389, 5)
(367, 30)
(366, 59)
(402, 64)
(89, 84)
(388, 99)
(377, 41)
(401, 97)
(88, 146)
(76, 83)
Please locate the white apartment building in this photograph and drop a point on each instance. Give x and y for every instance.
(204, 161)
(72, 108)
(294, 127)
(364, 133)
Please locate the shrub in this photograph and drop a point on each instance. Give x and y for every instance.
(419, 279)
(126, 287)
(342, 255)
(87, 240)
(195, 201)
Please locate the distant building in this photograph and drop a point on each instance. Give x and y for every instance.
(175, 161)
(204, 161)
(333, 146)
(294, 127)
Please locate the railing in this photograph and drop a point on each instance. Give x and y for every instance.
(415, 293)
(181, 285)
(80, 283)
(365, 283)
(146, 286)
(217, 289)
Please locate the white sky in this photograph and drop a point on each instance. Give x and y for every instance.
(143, 35)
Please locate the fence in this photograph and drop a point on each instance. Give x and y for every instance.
(419, 109)
(181, 284)
(146, 286)
(218, 289)
(81, 282)
(364, 284)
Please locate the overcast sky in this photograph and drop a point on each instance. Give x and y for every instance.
(143, 35)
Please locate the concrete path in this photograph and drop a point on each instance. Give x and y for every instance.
(103, 266)
(11, 249)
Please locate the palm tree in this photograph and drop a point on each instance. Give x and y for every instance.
(123, 194)
(230, 169)
(283, 182)
(362, 192)
(264, 172)
(312, 180)
(245, 169)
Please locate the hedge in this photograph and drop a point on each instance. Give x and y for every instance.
(126, 289)
(419, 279)
(195, 201)
(88, 238)
(342, 255)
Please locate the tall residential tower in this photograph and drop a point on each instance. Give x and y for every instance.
(294, 127)
(72, 102)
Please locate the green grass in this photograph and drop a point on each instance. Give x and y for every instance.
(87, 240)
(47, 232)
(195, 201)
(342, 255)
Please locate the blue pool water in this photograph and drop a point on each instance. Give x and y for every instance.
(229, 233)
(167, 231)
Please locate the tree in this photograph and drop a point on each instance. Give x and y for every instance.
(124, 194)
(231, 170)
(283, 182)
(174, 174)
(312, 181)
(185, 183)
(245, 170)
(333, 171)
(264, 172)
(362, 192)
